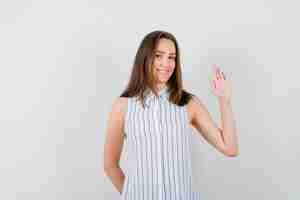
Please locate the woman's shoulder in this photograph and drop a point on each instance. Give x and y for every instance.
(185, 98)
(120, 104)
(193, 105)
(194, 101)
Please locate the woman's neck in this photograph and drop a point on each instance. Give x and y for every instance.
(158, 87)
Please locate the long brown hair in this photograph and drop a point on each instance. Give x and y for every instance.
(142, 72)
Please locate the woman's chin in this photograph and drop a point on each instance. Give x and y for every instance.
(164, 81)
(163, 78)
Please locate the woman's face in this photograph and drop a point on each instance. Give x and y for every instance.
(164, 61)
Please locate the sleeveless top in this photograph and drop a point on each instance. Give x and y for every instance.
(159, 137)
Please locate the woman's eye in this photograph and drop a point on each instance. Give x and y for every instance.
(159, 56)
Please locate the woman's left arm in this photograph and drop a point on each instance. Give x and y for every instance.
(221, 88)
(228, 131)
(225, 138)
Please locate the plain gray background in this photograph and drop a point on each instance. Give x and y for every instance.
(64, 62)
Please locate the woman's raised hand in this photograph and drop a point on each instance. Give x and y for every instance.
(220, 84)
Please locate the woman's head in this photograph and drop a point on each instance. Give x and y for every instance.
(157, 62)
(164, 61)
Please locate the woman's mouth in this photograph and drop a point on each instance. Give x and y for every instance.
(162, 71)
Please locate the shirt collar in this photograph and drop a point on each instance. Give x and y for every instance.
(163, 94)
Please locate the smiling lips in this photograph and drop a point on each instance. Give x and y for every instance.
(163, 71)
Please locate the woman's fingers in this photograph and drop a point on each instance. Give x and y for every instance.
(213, 76)
(217, 75)
(219, 83)
(223, 76)
(220, 74)
(217, 72)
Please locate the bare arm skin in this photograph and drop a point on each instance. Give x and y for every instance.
(223, 139)
(114, 143)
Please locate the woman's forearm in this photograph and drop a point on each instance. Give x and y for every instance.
(117, 177)
(228, 126)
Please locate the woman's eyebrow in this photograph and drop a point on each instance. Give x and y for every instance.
(165, 52)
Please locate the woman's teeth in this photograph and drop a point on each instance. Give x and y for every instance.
(162, 71)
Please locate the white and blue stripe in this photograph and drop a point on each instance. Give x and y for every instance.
(159, 136)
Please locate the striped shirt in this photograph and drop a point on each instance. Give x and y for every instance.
(159, 136)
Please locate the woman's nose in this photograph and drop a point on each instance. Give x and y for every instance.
(165, 63)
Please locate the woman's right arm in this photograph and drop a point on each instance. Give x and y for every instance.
(114, 143)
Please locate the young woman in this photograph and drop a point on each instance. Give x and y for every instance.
(155, 115)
